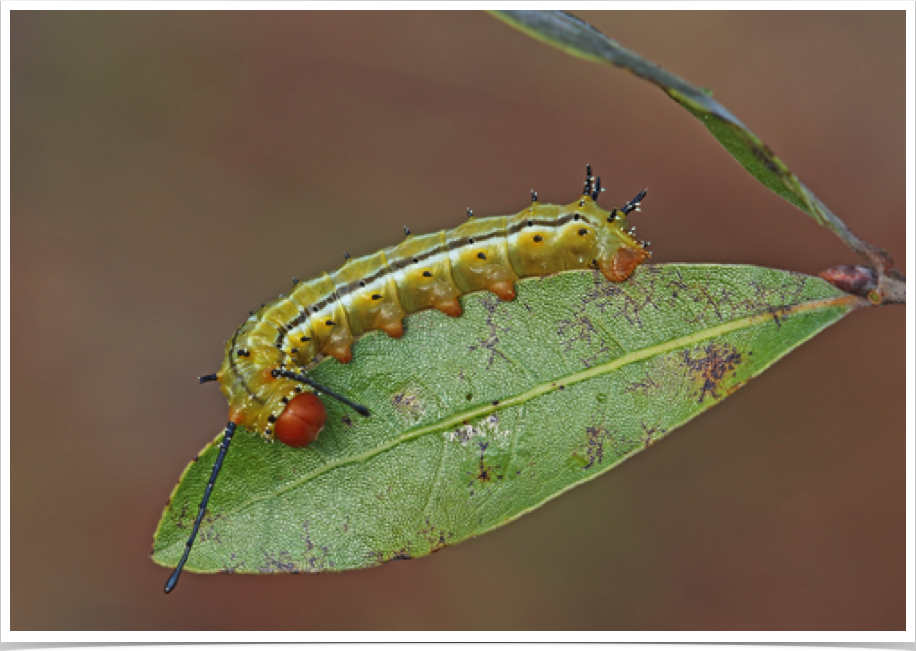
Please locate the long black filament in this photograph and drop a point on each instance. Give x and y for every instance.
(363, 411)
(633, 204)
(223, 447)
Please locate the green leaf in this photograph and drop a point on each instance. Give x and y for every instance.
(580, 39)
(481, 419)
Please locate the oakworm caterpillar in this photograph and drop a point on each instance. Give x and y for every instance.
(264, 371)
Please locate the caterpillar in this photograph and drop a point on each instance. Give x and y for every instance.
(264, 370)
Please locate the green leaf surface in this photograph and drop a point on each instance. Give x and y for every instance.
(481, 419)
(580, 39)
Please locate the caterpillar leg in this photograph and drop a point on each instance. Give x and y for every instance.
(394, 330)
(450, 307)
(504, 289)
(388, 320)
(620, 265)
(342, 354)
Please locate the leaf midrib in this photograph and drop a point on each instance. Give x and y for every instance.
(539, 390)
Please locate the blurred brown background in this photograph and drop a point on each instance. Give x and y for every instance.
(172, 170)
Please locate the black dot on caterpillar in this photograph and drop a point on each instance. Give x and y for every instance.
(264, 374)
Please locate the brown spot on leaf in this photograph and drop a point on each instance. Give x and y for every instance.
(779, 314)
(491, 341)
(711, 366)
(401, 555)
(613, 300)
(232, 566)
(280, 562)
(646, 387)
(596, 437)
(765, 155)
(179, 521)
(208, 532)
(485, 472)
(436, 537)
(406, 403)
(578, 328)
(651, 434)
(317, 558)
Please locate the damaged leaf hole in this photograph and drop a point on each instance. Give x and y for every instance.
(488, 427)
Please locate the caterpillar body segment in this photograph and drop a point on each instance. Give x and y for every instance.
(324, 316)
(479, 257)
(369, 298)
(422, 273)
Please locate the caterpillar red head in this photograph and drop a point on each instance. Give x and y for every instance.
(301, 421)
(265, 368)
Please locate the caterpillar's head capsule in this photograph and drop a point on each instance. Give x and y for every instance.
(301, 421)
